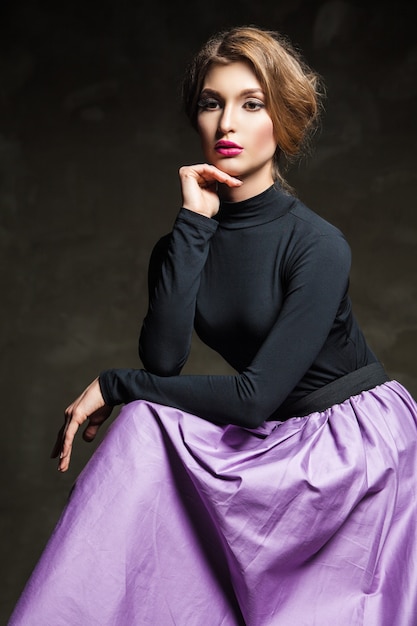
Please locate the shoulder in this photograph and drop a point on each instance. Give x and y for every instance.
(308, 221)
(312, 237)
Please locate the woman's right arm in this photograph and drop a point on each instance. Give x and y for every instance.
(174, 278)
(174, 272)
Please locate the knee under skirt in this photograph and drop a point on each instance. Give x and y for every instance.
(175, 520)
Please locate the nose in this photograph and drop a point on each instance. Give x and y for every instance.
(227, 120)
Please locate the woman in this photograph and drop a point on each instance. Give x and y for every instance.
(283, 494)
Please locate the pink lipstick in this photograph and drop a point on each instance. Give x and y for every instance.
(228, 148)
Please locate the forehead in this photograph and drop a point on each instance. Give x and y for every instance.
(237, 75)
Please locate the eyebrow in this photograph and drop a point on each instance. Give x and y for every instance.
(245, 92)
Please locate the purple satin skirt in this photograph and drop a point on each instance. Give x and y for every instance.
(178, 521)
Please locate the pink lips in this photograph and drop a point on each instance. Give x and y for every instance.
(228, 148)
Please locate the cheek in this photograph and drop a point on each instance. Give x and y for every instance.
(204, 133)
(265, 136)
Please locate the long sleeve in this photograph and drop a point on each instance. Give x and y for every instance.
(165, 338)
(316, 281)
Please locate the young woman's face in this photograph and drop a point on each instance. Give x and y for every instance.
(236, 131)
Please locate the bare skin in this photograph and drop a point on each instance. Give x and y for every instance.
(199, 187)
(88, 407)
(236, 131)
(232, 109)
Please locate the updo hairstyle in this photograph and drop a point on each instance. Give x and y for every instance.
(293, 92)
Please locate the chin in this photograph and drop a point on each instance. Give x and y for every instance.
(230, 168)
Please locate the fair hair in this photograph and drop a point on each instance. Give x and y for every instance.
(293, 91)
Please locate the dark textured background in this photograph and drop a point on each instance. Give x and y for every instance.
(91, 137)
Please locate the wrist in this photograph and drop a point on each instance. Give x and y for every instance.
(197, 220)
(200, 211)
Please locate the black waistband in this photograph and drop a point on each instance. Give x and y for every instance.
(336, 392)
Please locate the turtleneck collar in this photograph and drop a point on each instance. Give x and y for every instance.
(260, 209)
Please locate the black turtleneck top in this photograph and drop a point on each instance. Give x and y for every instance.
(265, 284)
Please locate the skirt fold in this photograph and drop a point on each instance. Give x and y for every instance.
(176, 520)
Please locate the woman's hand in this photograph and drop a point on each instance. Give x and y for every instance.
(89, 406)
(199, 187)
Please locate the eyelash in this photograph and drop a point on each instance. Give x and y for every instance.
(206, 104)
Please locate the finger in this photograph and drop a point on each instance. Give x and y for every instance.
(211, 173)
(223, 177)
(65, 456)
(95, 421)
(90, 432)
(59, 442)
(63, 464)
(206, 173)
(232, 182)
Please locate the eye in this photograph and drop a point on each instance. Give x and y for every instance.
(208, 104)
(254, 105)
